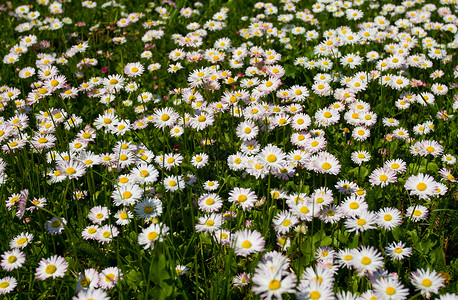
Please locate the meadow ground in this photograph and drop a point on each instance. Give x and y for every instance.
(228, 149)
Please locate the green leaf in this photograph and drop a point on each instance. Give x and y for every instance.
(326, 241)
(290, 71)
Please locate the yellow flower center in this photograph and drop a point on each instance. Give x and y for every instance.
(315, 295)
(271, 158)
(50, 269)
(126, 195)
(326, 166)
(421, 186)
(274, 284)
(304, 210)
(246, 244)
(383, 177)
(366, 260)
(148, 209)
(354, 205)
(361, 222)
(387, 218)
(84, 282)
(109, 277)
(70, 171)
(426, 282)
(390, 290)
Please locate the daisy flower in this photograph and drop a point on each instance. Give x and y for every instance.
(98, 214)
(390, 288)
(144, 174)
(431, 147)
(417, 213)
(330, 214)
(7, 285)
(421, 185)
(21, 240)
(449, 159)
(54, 267)
(199, 160)
(313, 290)
(345, 257)
(353, 206)
(273, 157)
(325, 254)
(245, 198)
(210, 202)
(12, 260)
(427, 281)
(72, 169)
(247, 130)
(397, 165)
(148, 208)
(365, 221)
(247, 242)
(201, 121)
(388, 218)
(382, 177)
(319, 274)
(106, 233)
(109, 277)
(209, 223)
(126, 194)
(91, 294)
(165, 117)
(88, 280)
(284, 221)
(270, 285)
(114, 82)
(398, 251)
(360, 133)
(326, 163)
(134, 69)
(174, 183)
(211, 185)
(241, 279)
(358, 157)
(367, 260)
(326, 117)
(123, 217)
(150, 235)
(55, 226)
(90, 232)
